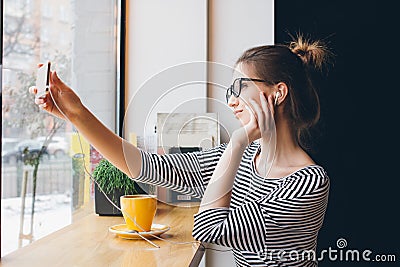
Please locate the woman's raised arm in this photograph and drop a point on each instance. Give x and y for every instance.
(62, 102)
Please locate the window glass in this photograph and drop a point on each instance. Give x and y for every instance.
(44, 186)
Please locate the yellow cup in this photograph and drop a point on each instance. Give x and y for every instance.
(139, 211)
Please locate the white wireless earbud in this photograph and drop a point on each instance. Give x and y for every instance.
(277, 95)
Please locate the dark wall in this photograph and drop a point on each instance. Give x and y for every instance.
(357, 143)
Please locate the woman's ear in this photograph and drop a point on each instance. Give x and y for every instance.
(281, 92)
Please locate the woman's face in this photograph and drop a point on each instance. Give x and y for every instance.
(250, 90)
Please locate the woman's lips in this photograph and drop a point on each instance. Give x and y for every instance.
(235, 112)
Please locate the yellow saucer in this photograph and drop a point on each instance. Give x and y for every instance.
(122, 231)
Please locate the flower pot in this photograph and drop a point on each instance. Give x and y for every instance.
(103, 207)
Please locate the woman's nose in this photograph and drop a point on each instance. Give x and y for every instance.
(232, 101)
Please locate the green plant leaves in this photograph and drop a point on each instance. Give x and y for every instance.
(110, 177)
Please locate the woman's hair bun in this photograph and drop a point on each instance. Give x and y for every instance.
(312, 53)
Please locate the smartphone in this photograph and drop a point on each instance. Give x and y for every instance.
(43, 80)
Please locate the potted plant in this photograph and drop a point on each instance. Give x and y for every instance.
(114, 183)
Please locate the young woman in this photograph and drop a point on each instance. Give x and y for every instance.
(262, 195)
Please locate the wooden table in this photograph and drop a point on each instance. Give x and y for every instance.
(88, 242)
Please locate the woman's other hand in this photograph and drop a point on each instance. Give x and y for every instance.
(261, 123)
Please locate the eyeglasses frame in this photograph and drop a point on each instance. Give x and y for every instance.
(241, 79)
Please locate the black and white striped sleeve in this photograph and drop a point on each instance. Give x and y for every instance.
(187, 173)
(242, 228)
(293, 207)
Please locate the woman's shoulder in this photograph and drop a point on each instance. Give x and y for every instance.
(313, 175)
(312, 169)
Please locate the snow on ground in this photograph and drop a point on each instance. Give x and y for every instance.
(52, 212)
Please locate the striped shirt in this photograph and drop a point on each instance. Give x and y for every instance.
(270, 222)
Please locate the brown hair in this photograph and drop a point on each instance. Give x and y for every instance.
(292, 65)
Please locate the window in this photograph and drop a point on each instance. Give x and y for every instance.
(65, 33)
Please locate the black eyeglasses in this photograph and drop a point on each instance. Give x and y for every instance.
(236, 88)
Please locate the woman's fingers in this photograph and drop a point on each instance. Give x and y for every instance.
(44, 103)
(259, 114)
(271, 122)
(39, 101)
(51, 102)
(33, 90)
(264, 103)
(271, 105)
(55, 79)
(57, 86)
(265, 113)
(43, 106)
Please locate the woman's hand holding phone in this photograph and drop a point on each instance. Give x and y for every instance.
(60, 100)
